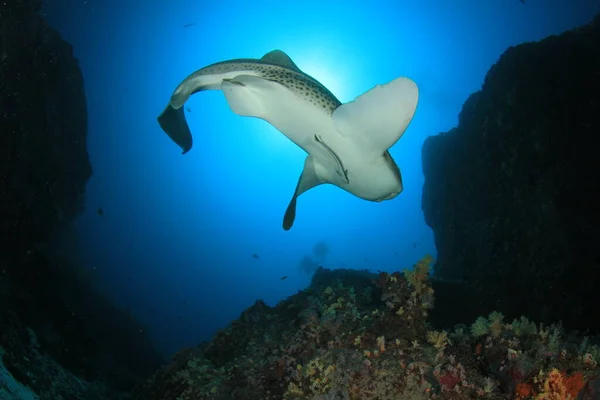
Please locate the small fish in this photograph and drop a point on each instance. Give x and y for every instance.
(188, 109)
(100, 212)
(255, 256)
(190, 24)
(283, 277)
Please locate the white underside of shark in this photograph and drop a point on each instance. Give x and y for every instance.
(347, 144)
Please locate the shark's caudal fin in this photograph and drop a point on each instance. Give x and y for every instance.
(173, 122)
(376, 119)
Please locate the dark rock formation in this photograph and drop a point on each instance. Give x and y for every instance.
(55, 330)
(74, 325)
(44, 164)
(513, 192)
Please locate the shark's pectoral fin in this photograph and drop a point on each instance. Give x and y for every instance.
(310, 177)
(172, 121)
(377, 118)
(249, 95)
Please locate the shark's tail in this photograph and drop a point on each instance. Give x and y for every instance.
(173, 122)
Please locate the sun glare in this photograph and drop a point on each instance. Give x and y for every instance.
(323, 70)
(321, 67)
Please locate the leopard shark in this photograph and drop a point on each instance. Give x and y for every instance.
(347, 145)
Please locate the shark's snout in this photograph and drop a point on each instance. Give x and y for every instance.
(391, 195)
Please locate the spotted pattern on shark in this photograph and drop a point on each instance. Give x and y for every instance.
(303, 85)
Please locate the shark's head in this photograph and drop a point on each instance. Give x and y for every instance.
(390, 187)
(380, 181)
(373, 123)
(391, 178)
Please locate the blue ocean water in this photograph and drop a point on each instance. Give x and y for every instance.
(185, 243)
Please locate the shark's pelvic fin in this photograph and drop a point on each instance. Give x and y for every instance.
(376, 119)
(309, 178)
(173, 122)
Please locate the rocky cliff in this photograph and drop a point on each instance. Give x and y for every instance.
(58, 335)
(44, 164)
(513, 193)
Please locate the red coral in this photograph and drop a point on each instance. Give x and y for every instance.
(574, 383)
(516, 374)
(448, 380)
(524, 389)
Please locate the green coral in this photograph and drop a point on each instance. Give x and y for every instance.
(480, 327)
(523, 327)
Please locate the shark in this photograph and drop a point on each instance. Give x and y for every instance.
(347, 145)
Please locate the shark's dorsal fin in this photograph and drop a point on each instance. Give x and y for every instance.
(278, 57)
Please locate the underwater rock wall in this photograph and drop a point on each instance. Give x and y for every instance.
(58, 335)
(44, 164)
(513, 193)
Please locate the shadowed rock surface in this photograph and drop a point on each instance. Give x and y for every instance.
(58, 335)
(512, 193)
(44, 164)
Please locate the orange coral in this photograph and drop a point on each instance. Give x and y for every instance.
(524, 389)
(574, 384)
(558, 386)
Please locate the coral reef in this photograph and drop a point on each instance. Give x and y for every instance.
(511, 192)
(359, 336)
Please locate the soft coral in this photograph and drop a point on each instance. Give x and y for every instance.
(559, 386)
